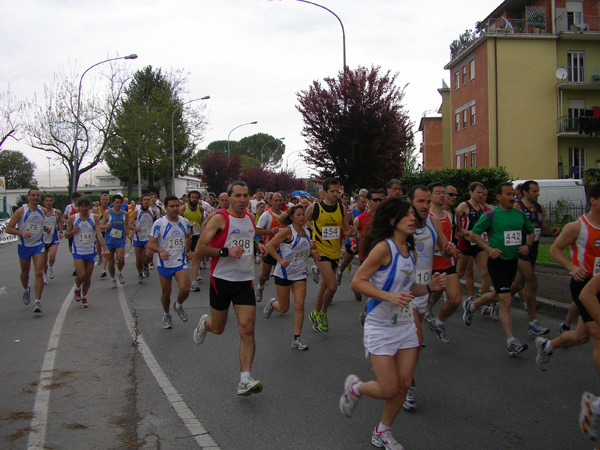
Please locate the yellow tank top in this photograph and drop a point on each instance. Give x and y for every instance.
(327, 230)
(195, 217)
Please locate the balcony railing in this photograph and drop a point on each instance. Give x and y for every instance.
(576, 22)
(586, 126)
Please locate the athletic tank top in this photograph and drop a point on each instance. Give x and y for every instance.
(52, 224)
(425, 241)
(84, 241)
(363, 221)
(296, 251)
(439, 262)
(194, 217)
(237, 231)
(170, 236)
(274, 224)
(32, 222)
(468, 221)
(327, 229)
(397, 276)
(116, 232)
(535, 216)
(144, 220)
(585, 251)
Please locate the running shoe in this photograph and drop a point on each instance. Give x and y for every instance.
(429, 317)
(516, 347)
(249, 386)
(269, 308)
(259, 293)
(323, 327)
(440, 332)
(543, 357)
(77, 295)
(99, 260)
(349, 399)
(195, 286)
(338, 276)
(385, 440)
(27, 296)
(120, 276)
(314, 318)
(357, 296)
(349, 268)
(535, 329)
(410, 401)
(180, 312)
(468, 314)
(362, 317)
(37, 306)
(167, 322)
(257, 260)
(299, 344)
(45, 279)
(140, 279)
(113, 283)
(495, 311)
(74, 273)
(50, 272)
(103, 274)
(486, 310)
(84, 302)
(315, 274)
(589, 420)
(200, 331)
(146, 272)
(562, 328)
(151, 266)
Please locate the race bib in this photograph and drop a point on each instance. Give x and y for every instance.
(301, 256)
(247, 245)
(33, 227)
(176, 244)
(52, 228)
(512, 238)
(116, 234)
(144, 234)
(538, 233)
(423, 276)
(330, 233)
(596, 266)
(402, 314)
(86, 237)
(196, 230)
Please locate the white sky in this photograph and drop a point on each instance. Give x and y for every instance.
(250, 56)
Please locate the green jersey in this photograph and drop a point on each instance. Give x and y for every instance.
(506, 230)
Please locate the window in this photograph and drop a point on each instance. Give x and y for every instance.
(574, 13)
(464, 71)
(456, 80)
(472, 70)
(473, 115)
(465, 113)
(575, 66)
(466, 158)
(473, 159)
(458, 161)
(577, 163)
(575, 111)
(457, 122)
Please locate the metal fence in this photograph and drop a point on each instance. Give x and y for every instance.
(560, 213)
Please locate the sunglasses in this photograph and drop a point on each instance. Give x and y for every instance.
(453, 195)
(376, 199)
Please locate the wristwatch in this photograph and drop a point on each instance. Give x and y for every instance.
(224, 252)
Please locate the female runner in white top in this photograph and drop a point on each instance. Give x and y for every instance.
(387, 277)
(290, 271)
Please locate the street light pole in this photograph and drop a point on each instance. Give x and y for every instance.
(261, 149)
(288, 158)
(206, 97)
(244, 124)
(49, 182)
(75, 152)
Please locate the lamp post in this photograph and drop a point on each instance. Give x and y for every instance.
(261, 149)
(75, 152)
(287, 158)
(49, 158)
(249, 123)
(206, 97)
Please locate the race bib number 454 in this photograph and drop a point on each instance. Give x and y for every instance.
(330, 233)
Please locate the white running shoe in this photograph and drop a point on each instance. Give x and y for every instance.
(410, 402)
(349, 399)
(385, 440)
(589, 420)
(249, 386)
(27, 296)
(45, 279)
(315, 274)
(120, 276)
(167, 322)
(113, 283)
(269, 308)
(50, 272)
(37, 306)
(200, 331)
(195, 286)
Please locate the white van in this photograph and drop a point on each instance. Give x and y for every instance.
(565, 197)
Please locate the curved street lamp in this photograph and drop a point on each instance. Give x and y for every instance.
(244, 124)
(287, 158)
(75, 150)
(261, 149)
(206, 97)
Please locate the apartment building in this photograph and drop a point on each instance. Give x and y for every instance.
(524, 91)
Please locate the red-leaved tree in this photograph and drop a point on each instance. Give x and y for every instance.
(268, 181)
(218, 171)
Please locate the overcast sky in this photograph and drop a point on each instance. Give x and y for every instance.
(250, 56)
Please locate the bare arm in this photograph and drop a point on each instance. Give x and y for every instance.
(12, 223)
(567, 237)
(284, 235)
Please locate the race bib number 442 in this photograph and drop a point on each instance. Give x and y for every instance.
(512, 238)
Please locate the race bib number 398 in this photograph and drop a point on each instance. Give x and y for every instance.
(247, 245)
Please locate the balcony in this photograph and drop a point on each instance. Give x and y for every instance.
(584, 127)
(576, 22)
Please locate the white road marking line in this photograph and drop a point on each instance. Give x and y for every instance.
(39, 422)
(188, 418)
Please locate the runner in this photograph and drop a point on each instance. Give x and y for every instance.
(84, 229)
(171, 239)
(387, 277)
(526, 283)
(394, 188)
(141, 225)
(582, 236)
(269, 225)
(114, 220)
(102, 208)
(70, 210)
(357, 210)
(327, 219)
(228, 239)
(505, 227)
(194, 213)
(294, 247)
(28, 223)
(53, 226)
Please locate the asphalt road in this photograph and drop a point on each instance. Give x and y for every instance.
(88, 384)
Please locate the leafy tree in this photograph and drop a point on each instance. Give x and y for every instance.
(272, 149)
(17, 169)
(10, 109)
(356, 122)
(218, 171)
(249, 163)
(143, 130)
(51, 127)
(411, 165)
(257, 178)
